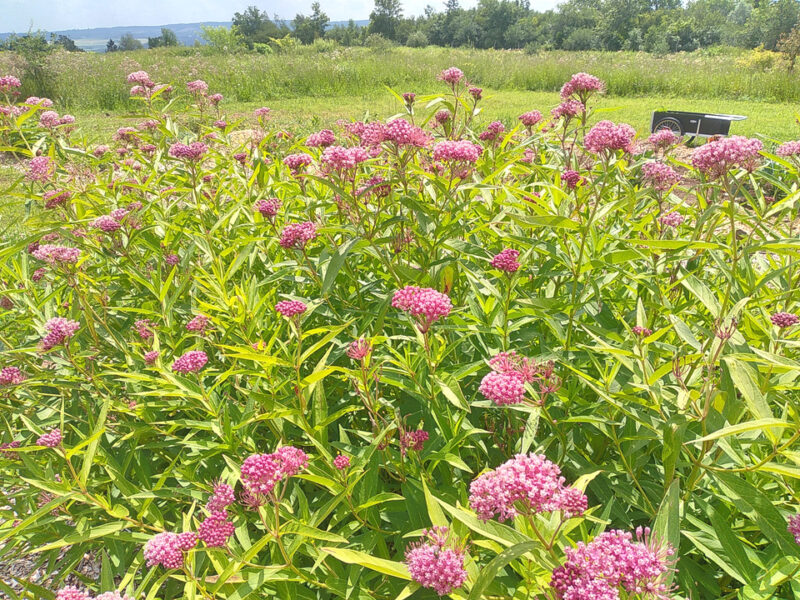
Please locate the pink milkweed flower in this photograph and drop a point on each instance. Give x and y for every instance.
(290, 308)
(198, 324)
(36, 101)
(150, 357)
(662, 177)
(193, 151)
(476, 92)
(144, 329)
(606, 136)
(165, 549)
(503, 388)
(413, 440)
(530, 118)
(611, 561)
(262, 113)
(58, 331)
(297, 235)
(140, 78)
(11, 376)
(788, 149)
(404, 134)
(198, 86)
(190, 362)
(436, 561)
(640, 331)
(409, 98)
(223, 497)
(215, 99)
(784, 319)
(663, 139)
(527, 482)
(215, 530)
(443, 116)
(55, 198)
(50, 439)
(493, 131)
(9, 84)
(100, 150)
(72, 593)
(453, 75)
(112, 596)
(581, 86)
(40, 168)
(172, 259)
(672, 219)
(506, 260)
(461, 151)
(794, 527)
(340, 159)
(106, 223)
(268, 207)
(321, 139)
(425, 305)
(341, 462)
(296, 162)
(572, 179)
(716, 158)
(359, 349)
(260, 473)
(568, 109)
(7, 449)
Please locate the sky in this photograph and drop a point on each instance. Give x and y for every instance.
(51, 15)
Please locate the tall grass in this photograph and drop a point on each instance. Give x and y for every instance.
(92, 81)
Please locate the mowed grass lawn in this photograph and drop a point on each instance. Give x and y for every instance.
(771, 121)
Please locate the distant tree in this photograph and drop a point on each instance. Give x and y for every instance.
(127, 43)
(64, 42)
(385, 18)
(255, 26)
(167, 38)
(32, 43)
(351, 35)
(111, 46)
(223, 39)
(308, 29)
(789, 44)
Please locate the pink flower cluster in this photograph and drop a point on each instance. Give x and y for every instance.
(462, 151)
(506, 260)
(215, 529)
(341, 462)
(339, 158)
(359, 349)
(190, 362)
(268, 207)
(11, 376)
(40, 168)
(9, 83)
(198, 86)
(572, 179)
(606, 136)
(58, 330)
(581, 85)
(613, 560)
(527, 483)
(53, 254)
(167, 549)
(794, 527)
(663, 139)
(426, 305)
(640, 331)
(404, 134)
(568, 109)
(453, 75)
(140, 78)
(788, 149)
(106, 223)
(72, 593)
(51, 439)
(222, 497)
(436, 561)
(260, 473)
(672, 219)
(784, 319)
(262, 113)
(51, 120)
(295, 162)
(716, 158)
(198, 324)
(506, 383)
(662, 177)
(493, 132)
(144, 329)
(530, 118)
(297, 235)
(54, 198)
(413, 440)
(193, 151)
(290, 308)
(321, 139)
(36, 101)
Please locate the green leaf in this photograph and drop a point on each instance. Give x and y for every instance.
(745, 379)
(489, 572)
(381, 565)
(667, 525)
(741, 428)
(434, 510)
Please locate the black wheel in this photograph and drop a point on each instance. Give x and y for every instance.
(669, 123)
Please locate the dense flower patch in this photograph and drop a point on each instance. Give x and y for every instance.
(416, 357)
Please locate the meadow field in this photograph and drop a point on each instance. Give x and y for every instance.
(364, 325)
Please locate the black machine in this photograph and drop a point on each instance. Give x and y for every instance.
(692, 123)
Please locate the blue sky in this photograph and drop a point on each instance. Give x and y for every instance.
(20, 15)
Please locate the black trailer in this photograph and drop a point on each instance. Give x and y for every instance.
(693, 124)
